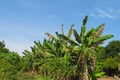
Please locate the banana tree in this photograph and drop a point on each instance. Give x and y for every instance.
(85, 45)
(78, 52)
(37, 56)
(88, 41)
(43, 53)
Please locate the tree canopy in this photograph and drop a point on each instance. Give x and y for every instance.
(2, 47)
(113, 48)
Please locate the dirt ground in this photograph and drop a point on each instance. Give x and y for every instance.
(107, 78)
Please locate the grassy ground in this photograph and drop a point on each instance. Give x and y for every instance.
(39, 77)
(103, 78)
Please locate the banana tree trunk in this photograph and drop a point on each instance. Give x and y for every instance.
(34, 72)
(93, 63)
(33, 69)
(84, 69)
(85, 74)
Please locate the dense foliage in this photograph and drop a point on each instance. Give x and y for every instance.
(11, 65)
(63, 57)
(2, 48)
(112, 57)
(113, 48)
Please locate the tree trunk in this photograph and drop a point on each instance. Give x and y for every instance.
(93, 63)
(85, 74)
(33, 70)
(84, 69)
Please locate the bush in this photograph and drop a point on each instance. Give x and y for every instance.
(111, 66)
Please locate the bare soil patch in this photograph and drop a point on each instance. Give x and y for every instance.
(106, 78)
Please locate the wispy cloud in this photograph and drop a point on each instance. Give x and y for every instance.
(93, 15)
(55, 16)
(106, 13)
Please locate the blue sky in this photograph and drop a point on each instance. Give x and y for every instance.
(23, 21)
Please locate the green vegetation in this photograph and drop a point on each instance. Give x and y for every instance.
(2, 48)
(112, 58)
(72, 56)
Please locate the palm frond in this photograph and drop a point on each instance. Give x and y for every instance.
(68, 39)
(50, 36)
(62, 28)
(85, 20)
(99, 30)
(76, 35)
(102, 38)
(90, 33)
(38, 44)
(83, 28)
(70, 31)
(49, 46)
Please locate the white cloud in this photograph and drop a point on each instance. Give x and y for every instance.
(93, 15)
(106, 13)
(55, 16)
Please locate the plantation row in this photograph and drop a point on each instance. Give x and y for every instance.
(63, 57)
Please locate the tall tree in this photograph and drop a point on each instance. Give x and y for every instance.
(2, 48)
(113, 48)
(88, 41)
(10, 66)
(112, 57)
